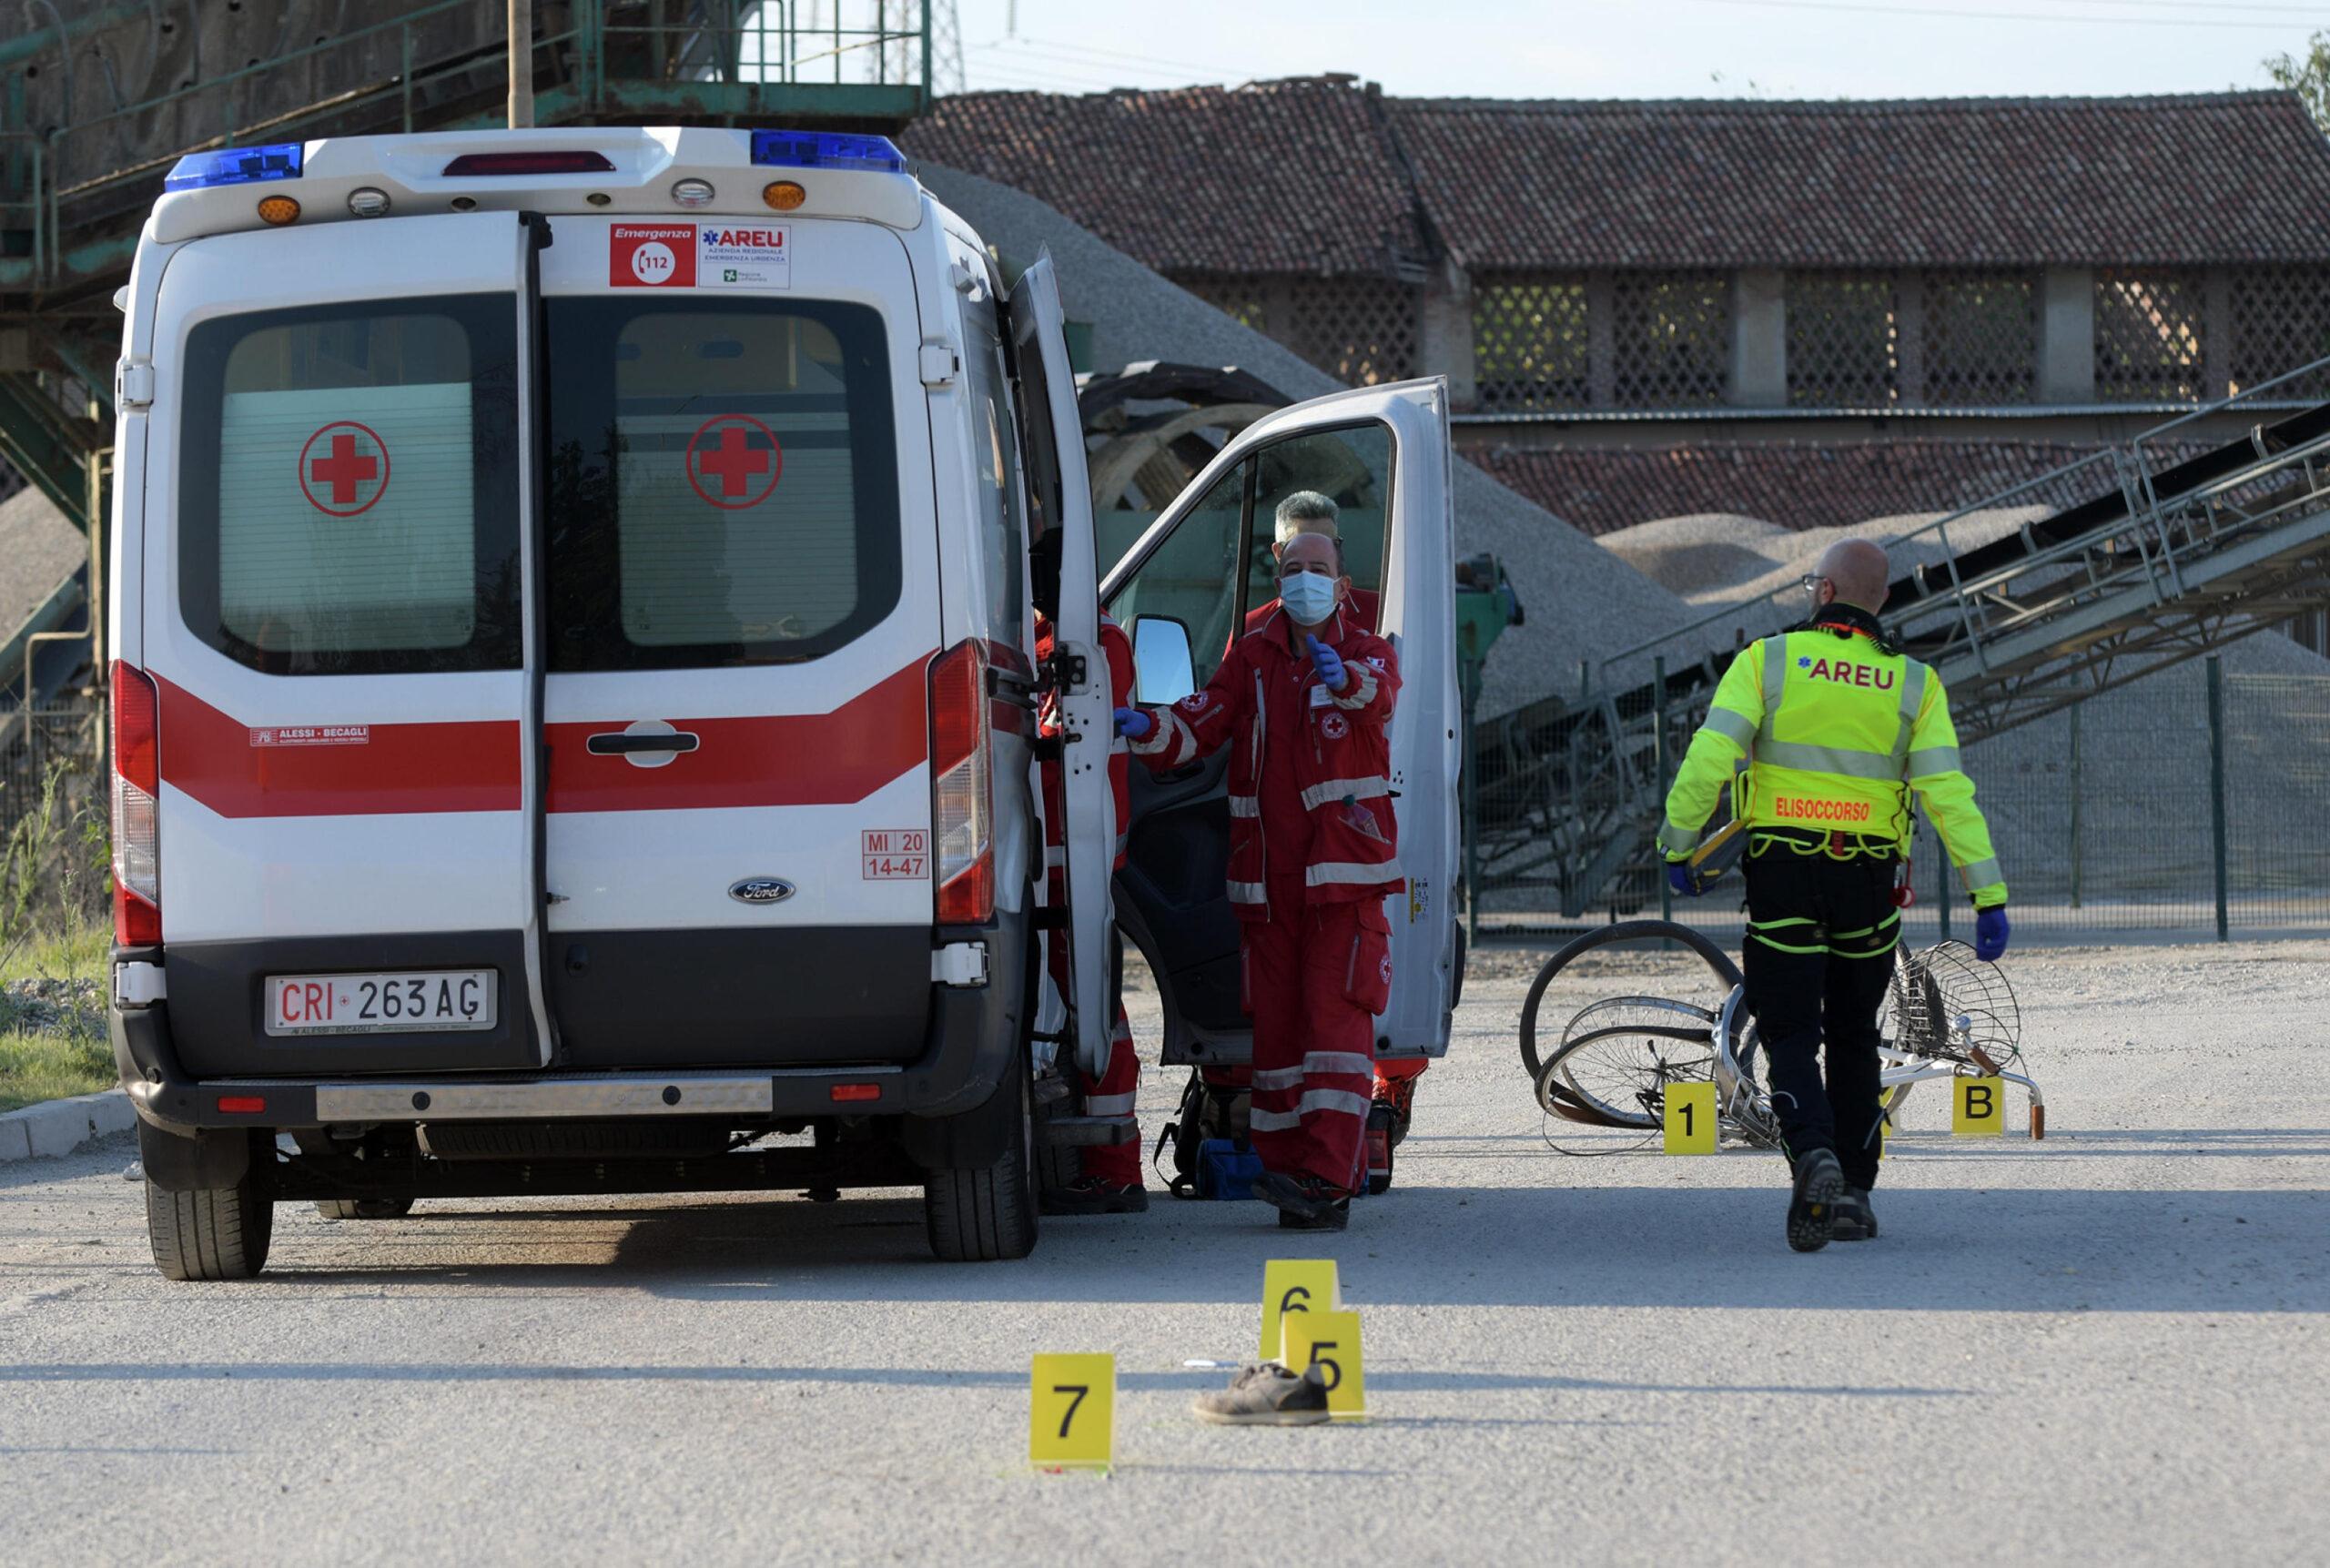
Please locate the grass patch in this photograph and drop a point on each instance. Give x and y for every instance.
(42, 1056)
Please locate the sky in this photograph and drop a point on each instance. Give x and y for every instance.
(1643, 48)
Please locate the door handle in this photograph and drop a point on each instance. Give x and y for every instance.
(622, 743)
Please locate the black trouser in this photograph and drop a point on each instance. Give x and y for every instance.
(1819, 957)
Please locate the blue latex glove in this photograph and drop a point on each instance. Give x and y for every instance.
(1990, 933)
(1133, 724)
(1329, 663)
(1684, 879)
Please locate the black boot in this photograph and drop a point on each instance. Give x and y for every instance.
(1855, 1220)
(1812, 1203)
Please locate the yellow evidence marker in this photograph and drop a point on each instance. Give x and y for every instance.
(1072, 1412)
(1295, 1285)
(1330, 1340)
(1977, 1107)
(1690, 1119)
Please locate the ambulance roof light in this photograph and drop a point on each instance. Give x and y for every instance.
(828, 149)
(237, 165)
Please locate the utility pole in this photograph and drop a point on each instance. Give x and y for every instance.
(522, 64)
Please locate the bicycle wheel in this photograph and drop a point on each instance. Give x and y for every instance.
(1628, 940)
(1617, 1056)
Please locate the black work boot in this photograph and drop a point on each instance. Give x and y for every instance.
(1854, 1220)
(1812, 1203)
(1093, 1195)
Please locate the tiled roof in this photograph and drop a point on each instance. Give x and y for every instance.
(1288, 176)
(2217, 176)
(1797, 484)
(1313, 176)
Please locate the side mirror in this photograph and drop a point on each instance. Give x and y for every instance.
(1163, 671)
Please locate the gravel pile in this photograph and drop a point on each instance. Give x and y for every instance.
(1579, 597)
(71, 1008)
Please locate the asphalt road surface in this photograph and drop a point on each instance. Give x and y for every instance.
(2107, 1347)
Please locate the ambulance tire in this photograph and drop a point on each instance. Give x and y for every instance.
(364, 1208)
(213, 1232)
(988, 1213)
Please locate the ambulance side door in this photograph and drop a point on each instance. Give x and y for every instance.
(1381, 455)
(1064, 492)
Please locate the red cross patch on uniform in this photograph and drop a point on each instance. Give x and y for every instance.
(1195, 701)
(1335, 726)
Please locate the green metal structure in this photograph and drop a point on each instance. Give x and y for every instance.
(97, 106)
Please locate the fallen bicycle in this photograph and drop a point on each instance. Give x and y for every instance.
(1947, 1014)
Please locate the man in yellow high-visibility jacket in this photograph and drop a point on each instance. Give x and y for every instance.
(1837, 726)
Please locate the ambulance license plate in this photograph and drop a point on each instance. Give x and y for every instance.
(430, 999)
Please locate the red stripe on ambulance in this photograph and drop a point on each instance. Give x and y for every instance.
(785, 759)
(241, 771)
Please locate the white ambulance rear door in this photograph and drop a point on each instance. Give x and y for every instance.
(1056, 469)
(334, 614)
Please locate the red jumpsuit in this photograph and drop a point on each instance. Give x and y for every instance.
(1112, 1094)
(1395, 1079)
(1312, 852)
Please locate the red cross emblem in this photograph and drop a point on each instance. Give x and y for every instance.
(344, 468)
(734, 460)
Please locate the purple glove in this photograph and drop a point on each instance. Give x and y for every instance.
(1683, 879)
(1990, 933)
(1133, 724)
(1329, 663)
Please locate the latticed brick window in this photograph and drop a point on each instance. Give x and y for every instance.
(1360, 330)
(1529, 341)
(1981, 338)
(2280, 318)
(1844, 341)
(1240, 295)
(1670, 339)
(2148, 332)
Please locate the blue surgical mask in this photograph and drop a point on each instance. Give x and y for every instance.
(1308, 597)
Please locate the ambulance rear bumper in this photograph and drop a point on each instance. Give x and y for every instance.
(971, 1042)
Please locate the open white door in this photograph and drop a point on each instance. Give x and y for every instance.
(1047, 388)
(1381, 455)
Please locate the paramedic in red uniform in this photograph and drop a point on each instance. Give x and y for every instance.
(1110, 1182)
(1308, 511)
(1304, 699)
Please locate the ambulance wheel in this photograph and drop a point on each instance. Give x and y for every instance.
(364, 1208)
(214, 1233)
(982, 1215)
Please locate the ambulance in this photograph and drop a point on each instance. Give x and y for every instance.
(574, 729)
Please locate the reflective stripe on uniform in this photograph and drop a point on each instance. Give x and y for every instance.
(1340, 1101)
(1055, 855)
(1674, 839)
(1248, 893)
(1850, 763)
(1913, 692)
(1319, 794)
(1109, 1105)
(1981, 873)
(1278, 1078)
(1337, 1062)
(1735, 727)
(1362, 687)
(1774, 681)
(1118, 746)
(1931, 760)
(1350, 873)
(1245, 805)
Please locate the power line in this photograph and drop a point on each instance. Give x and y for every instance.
(1060, 45)
(2065, 20)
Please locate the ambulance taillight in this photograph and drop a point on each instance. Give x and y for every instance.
(137, 791)
(961, 796)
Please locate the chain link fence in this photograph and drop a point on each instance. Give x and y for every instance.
(53, 854)
(2193, 804)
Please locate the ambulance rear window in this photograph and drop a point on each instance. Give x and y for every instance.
(723, 485)
(349, 489)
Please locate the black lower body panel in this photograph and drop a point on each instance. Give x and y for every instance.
(219, 1006)
(803, 996)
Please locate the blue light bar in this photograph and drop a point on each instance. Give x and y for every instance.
(828, 149)
(237, 165)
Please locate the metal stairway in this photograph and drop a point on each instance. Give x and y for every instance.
(2172, 548)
